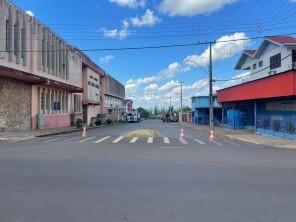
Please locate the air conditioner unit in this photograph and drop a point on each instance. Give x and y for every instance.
(273, 72)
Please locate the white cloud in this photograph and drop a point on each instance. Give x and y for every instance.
(131, 88)
(30, 13)
(148, 19)
(129, 3)
(240, 78)
(191, 7)
(151, 87)
(173, 70)
(169, 86)
(117, 33)
(225, 48)
(106, 59)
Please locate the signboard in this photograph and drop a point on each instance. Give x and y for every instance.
(57, 106)
(281, 106)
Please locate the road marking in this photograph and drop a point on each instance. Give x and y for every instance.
(150, 140)
(47, 141)
(200, 142)
(220, 144)
(166, 140)
(118, 139)
(231, 143)
(81, 141)
(32, 140)
(100, 140)
(134, 139)
(171, 147)
(183, 141)
(73, 138)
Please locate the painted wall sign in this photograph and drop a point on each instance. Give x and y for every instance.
(281, 106)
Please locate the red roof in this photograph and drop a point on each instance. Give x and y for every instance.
(282, 39)
(250, 52)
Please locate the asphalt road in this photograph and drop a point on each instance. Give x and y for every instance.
(101, 178)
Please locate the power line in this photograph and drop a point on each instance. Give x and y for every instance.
(220, 80)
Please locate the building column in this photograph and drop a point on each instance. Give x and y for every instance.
(25, 40)
(49, 56)
(11, 33)
(3, 19)
(54, 55)
(44, 50)
(57, 46)
(18, 37)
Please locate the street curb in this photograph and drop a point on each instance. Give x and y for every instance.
(74, 130)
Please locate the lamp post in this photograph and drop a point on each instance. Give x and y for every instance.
(181, 109)
(210, 73)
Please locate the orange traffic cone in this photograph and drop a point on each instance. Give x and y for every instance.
(84, 132)
(182, 134)
(212, 135)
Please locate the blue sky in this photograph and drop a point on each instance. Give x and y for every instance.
(151, 76)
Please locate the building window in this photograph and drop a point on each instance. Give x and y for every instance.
(91, 77)
(97, 86)
(260, 64)
(89, 83)
(275, 61)
(7, 35)
(77, 103)
(96, 79)
(23, 39)
(254, 66)
(15, 39)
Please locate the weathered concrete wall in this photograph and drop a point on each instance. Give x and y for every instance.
(15, 103)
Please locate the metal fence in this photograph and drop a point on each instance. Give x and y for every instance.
(277, 123)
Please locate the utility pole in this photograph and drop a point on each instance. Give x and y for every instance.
(211, 91)
(170, 107)
(181, 110)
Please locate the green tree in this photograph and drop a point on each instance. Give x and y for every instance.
(143, 112)
(186, 109)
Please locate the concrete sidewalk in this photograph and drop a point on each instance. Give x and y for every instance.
(245, 136)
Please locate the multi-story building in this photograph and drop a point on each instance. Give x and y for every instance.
(44, 81)
(40, 73)
(266, 101)
(114, 93)
(128, 104)
(92, 82)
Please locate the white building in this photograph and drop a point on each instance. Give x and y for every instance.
(276, 54)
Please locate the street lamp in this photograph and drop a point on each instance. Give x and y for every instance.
(181, 110)
(210, 73)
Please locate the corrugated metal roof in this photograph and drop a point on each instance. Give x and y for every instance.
(283, 84)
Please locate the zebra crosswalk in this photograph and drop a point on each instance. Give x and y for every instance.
(132, 140)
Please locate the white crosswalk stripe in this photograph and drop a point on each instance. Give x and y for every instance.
(51, 140)
(150, 140)
(134, 139)
(90, 138)
(101, 140)
(166, 140)
(231, 143)
(73, 138)
(117, 140)
(38, 139)
(200, 142)
(183, 141)
(220, 144)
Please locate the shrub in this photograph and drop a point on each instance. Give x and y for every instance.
(290, 128)
(98, 122)
(276, 125)
(108, 121)
(79, 123)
